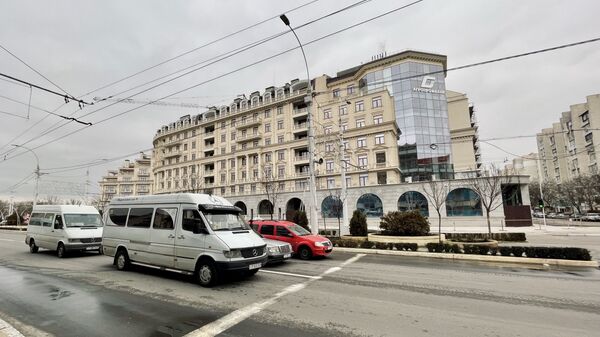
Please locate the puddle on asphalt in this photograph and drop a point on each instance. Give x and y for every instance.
(57, 293)
(179, 329)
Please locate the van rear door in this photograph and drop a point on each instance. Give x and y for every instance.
(162, 236)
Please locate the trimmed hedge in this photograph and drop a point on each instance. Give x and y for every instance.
(406, 246)
(476, 237)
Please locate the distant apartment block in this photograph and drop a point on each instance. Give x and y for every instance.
(466, 151)
(568, 148)
(132, 178)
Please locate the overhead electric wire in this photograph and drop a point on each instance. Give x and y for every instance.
(225, 56)
(66, 97)
(34, 70)
(239, 69)
(470, 65)
(198, 48)
(44, 110)
(12, 114)
(15, 83)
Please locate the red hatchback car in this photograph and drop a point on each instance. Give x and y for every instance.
(304, 244)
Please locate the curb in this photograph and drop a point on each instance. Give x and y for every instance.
(468, 257)
(7, 330)
(14, 228)
(576, 234)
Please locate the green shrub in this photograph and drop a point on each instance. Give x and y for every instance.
(577, 254)
(404, 224)
(300, 219)
(434, 247)
(366, 244)
(505, 250)
(348, 243)
(391, 246)
(493, 251)
(381, 245)
(482, 249)
(480, 237)
(517, 251)
(413, 246)
(469, 249)
(358, 224)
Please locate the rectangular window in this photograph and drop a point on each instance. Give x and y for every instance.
(281, 171)
(380, 139)
(330, 183)
(376, 102)
(267, 113)
(363, 179)
(268, 141)
(233, 136)
(268, 127)
(328, 147)
(343, 110)
(378, 119)
(360, 123)
(279, 110)
(327, 114)
(362, 161)
(223, 138)
(361, 142)
(359, 106)
(281, 155)
(329, 166)
(380, 157)
(589, 138)
(350, 89)
(267, 157)
(344, 127)
(280, 139)
(279, 125)
(336, 93)
(381, 178)
(585, 118)
(140, 217)
(327, 130)
(232, 177)
(193, 144)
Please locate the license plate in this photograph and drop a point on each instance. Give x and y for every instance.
(287, 256)
(92, 248)
(255, 266)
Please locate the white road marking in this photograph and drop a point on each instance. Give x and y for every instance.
(288, 274)
(8, 330)
(234, 318)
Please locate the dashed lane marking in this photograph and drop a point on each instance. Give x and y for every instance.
(288, 274)
(236, 317)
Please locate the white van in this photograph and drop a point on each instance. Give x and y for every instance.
(64, 228)
(197, 234)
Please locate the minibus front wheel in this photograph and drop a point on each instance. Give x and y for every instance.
(122, 260)
(32, 247)
(206, 273)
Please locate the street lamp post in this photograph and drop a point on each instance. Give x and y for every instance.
(37, 172)
(311, 138)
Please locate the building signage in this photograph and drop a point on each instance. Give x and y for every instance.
(427, 86)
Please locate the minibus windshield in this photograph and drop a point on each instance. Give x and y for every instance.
(83, 220)
(224, 221)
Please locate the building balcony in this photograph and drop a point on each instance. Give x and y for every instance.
(209, 134)
(301, 158)
(300, 113)
(249, 137)
(248, 123)
(302, 174)
(172, 154)
(209, 173)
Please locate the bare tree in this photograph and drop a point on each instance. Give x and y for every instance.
(270, 186)
(51, 200)
(437, 192)
(489, 187)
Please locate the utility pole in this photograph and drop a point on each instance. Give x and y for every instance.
(37, 173)
(343, 166)
(311, 139)
(539, 166)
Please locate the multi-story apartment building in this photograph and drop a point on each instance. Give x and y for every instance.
(384, 122)
(526, 165)
(568, 150)
(466, 151)
(132, 178)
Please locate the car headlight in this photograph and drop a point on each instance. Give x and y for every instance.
(230, 254)
(74, 240)
(319, 244)
(273, 250)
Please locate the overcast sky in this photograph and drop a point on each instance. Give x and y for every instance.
(83, 45)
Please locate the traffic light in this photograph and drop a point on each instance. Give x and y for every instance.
(541, 203)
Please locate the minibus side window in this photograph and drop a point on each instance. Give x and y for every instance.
(164, 218)
(190, 218)
(47, 220)
(140, 217)
(118, 216)
(36, 219)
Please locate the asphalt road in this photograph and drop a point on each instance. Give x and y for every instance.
(342, 295)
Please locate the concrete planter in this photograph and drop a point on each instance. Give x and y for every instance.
(355, 238)
(420, 240)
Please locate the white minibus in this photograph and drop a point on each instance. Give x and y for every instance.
(197, 234)
(64, 228)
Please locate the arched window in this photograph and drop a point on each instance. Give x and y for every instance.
(280, 93)
(413, 201)
(265, 207)
(242, 206)
(267, 97)
(332, 207)
(370, 205)
(463, 202)
(255, 101)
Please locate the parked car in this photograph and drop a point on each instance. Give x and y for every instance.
(591, 217)
(304, 244)
(277, 251)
